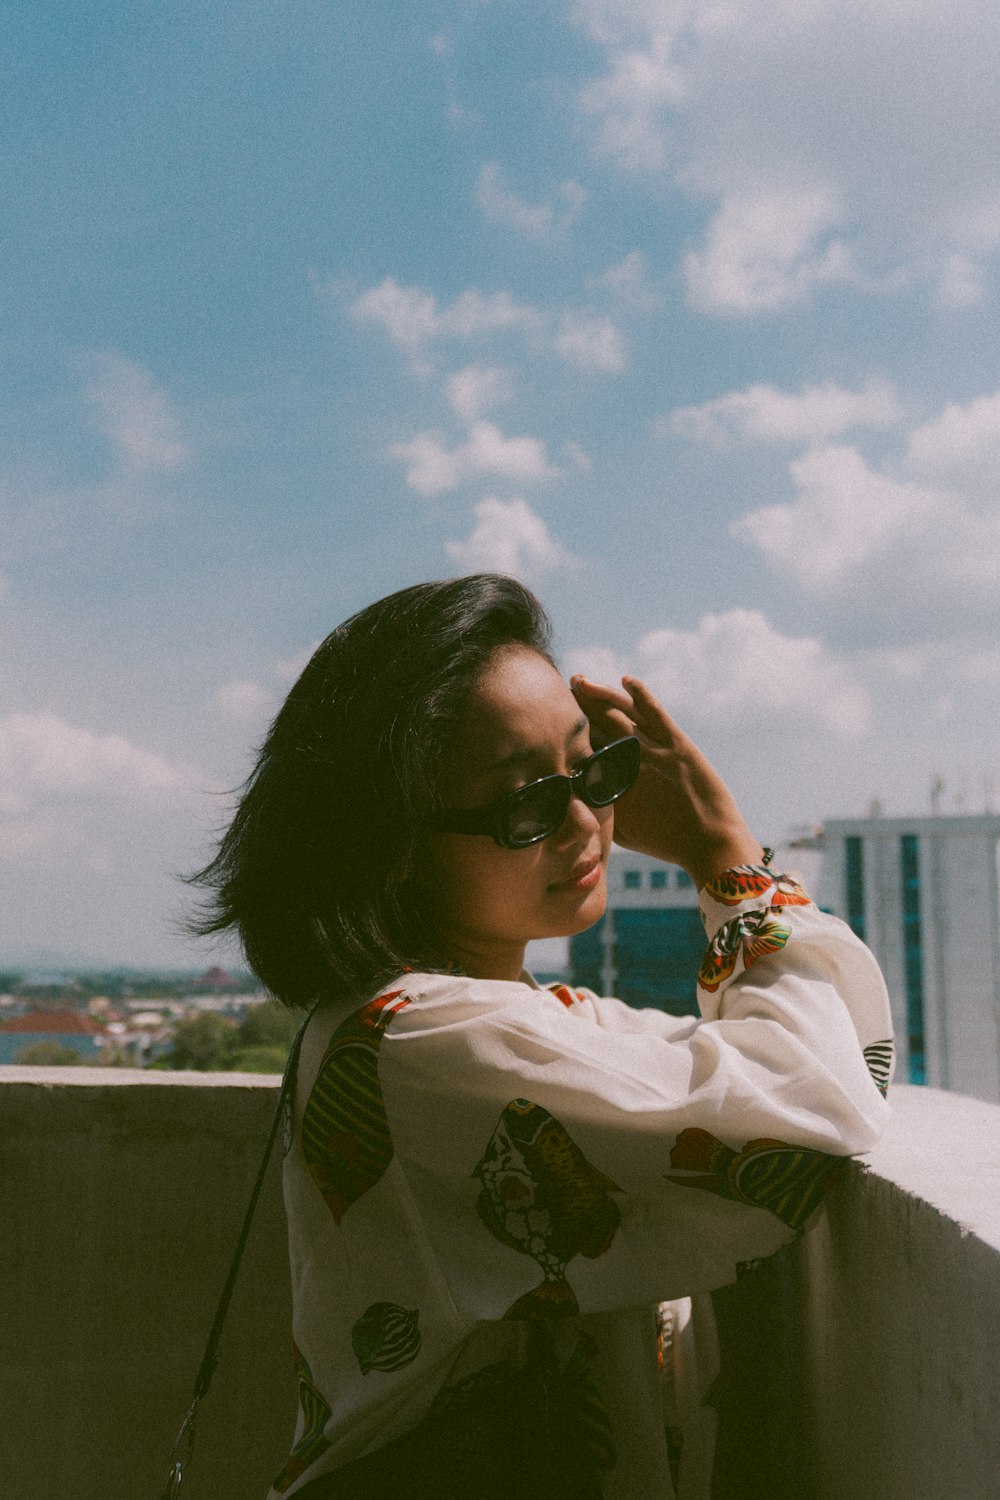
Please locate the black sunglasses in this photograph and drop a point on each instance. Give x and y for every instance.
(535, 811)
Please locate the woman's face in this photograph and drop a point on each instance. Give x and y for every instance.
(522, 722)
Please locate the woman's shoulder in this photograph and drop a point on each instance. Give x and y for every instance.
(417, 998)
(426, 991)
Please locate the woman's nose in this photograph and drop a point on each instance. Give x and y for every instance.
(580, 820)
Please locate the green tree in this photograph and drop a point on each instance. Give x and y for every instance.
(259, 1060)
(269, 1024)
(205, 1042)
(48, 1055)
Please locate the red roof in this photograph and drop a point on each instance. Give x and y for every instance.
(64, 1022)
(218, 977)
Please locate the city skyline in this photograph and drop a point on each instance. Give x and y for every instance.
(685, 315)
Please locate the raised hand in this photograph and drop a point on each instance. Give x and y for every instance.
(680, 809)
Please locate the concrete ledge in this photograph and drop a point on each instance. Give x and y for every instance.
(944, 1149)
(132, 1077)
(860, 1363)
(864, 1361)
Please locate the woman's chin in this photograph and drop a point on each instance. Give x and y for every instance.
(583, 913)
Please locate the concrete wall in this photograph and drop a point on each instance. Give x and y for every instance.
(861, 1363)
(121, 1195)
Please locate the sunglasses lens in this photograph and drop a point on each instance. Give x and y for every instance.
(611, 772)
(536, 812)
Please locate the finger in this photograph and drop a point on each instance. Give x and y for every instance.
(608, 723)
(600, 690)
(648, 711)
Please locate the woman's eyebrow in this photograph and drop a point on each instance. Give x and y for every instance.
(529, 753)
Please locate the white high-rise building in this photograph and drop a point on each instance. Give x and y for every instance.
(923, 894)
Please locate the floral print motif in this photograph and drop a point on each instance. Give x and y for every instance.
(749, 882)
(741, 883)
(563, 993)
(752, 934)
(788, 892)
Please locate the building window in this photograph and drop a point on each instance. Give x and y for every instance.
(854, 882)
(913, 955)
(633, 880)
(658, 880)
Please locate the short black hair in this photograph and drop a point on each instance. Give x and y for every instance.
(309, 872)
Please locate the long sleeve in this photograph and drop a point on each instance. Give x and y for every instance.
(589, 1156)
(469, 1155)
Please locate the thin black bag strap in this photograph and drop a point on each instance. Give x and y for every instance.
(180, 1454)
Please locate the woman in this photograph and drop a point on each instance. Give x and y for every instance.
(494, 1190)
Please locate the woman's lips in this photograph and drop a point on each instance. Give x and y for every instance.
(587, 878)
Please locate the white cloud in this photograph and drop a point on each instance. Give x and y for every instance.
(845, 514)
(539, 221)
(598, 663)
(135, 414)
(589, 342)
(628, 279)
(762, 413)
(432, 467)
(948, 661)
(960, 283)
(626, 104)
(509, 537)
(961, 444)
(243, 700)
(736, 666)
(414, 320)
(852, 525)
(477, 389)
(290, 668)
(41, 756)
(872, 124)
(766, 250)
(577, 456)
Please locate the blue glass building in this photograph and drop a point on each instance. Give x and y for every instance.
(647, 947)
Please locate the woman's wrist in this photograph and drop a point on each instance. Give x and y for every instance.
(712, 860)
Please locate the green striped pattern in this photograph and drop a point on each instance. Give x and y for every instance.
(315, 1414)
(790, 1184)
(345, 1133)
(878, 1056)
(787, 1181)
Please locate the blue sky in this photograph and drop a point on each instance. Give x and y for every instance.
(684, 311)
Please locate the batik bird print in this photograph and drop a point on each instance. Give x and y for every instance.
(542, 1197)
(787, 1181)
(345, 1133)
